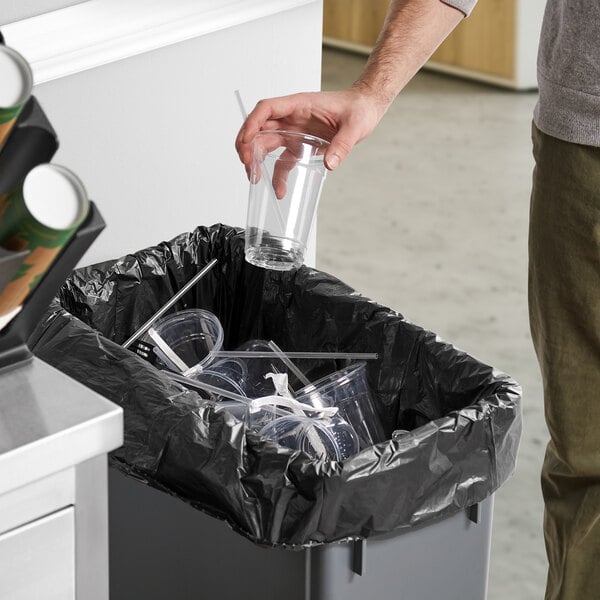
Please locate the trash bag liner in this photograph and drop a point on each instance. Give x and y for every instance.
(453, 424)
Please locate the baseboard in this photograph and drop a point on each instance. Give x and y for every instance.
(523, 83)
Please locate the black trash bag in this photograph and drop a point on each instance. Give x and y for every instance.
(457, 421)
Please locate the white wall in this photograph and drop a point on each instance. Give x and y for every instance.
(152, 135)
(529, 17)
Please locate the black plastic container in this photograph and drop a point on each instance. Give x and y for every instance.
(13, 338)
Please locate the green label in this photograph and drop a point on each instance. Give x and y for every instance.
(19, 230)
(21, 271)
(8, 114)
(35, 281)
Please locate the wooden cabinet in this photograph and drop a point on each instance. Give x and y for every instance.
(497, 43)
(353, 22)
(485, 42)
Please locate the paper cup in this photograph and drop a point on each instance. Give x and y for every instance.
(41, 216)
(17, 81)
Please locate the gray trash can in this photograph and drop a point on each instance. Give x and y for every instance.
(162, 548)
(202, 507)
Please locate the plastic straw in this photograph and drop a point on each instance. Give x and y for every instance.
(298, 408)
(207, 387)
(161, 311)
(255, 404)
(280, 218)
(288, 363)
(166, 350)
(298, 355)
(240, 102)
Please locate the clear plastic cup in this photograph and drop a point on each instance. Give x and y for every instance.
(233, 368)
(255, 384)
(258, 419)
(347, 389)
(237, 409)
(218, 379)
(193, 335)
(323, 439)
(286, 178)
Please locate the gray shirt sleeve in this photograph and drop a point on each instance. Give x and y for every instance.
(465, 6)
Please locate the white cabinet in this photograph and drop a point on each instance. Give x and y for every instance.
(54, 437)
(41, 556)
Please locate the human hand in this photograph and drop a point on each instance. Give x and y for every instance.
(342, 118)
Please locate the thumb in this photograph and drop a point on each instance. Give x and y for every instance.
(340, 147)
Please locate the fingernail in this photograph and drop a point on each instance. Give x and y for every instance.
(332, 161)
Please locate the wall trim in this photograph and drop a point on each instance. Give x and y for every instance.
(523, 84)
(98, 32)
(505, 82)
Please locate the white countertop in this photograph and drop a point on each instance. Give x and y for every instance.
(49, 422)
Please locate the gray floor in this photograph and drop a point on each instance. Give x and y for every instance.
(429, 217)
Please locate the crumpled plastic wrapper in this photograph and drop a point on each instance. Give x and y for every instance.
(453, 424)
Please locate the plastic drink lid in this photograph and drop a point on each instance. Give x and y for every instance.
(16, 78)
(55, 196)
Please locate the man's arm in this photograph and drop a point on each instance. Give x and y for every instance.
(412, 31)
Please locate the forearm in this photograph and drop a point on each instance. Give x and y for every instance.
(412, 31)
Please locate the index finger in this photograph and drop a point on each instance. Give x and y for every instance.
(272, 109)
(254, 122)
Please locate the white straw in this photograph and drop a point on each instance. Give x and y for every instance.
(206, 387)
(166, 349)
(241, 104)
(298, 355)
(289, 364)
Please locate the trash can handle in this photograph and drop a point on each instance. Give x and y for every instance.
(474, 513)
(359, 557)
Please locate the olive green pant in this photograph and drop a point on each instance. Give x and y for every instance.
(564, 306)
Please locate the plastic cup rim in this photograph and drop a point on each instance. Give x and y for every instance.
(340, 377)
(313, 140)
(168, 318)
(225, 378)
(210, 317)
